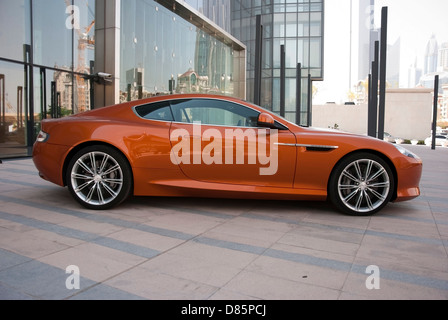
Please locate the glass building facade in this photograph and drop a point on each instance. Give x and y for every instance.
(296, 24)
(161, 53)
(51, 48)
(46, 49)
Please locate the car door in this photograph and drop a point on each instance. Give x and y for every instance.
(219, 141)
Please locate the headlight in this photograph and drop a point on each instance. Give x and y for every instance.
(406, 152)
(42, 137)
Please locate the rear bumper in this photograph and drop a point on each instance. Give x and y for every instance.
(49, 161)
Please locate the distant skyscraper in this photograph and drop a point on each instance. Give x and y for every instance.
(393, 68)
(432, 51)
(443, 57)
(367, 37)
(414, 75)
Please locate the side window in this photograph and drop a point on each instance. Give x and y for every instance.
(155, 111)
(214, 112)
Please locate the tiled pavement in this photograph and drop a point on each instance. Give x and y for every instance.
(200, 249)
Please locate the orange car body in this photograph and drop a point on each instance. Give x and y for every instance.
(306, 156)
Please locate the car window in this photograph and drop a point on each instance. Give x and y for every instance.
(214, 112)
(155, 111)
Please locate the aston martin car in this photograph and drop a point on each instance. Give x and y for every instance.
(196, 145)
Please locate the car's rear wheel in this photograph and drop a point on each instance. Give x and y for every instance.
(361, 184)
(99, 177)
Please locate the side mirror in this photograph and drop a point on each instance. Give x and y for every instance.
(267, 121)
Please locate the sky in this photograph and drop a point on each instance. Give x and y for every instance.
(413, 21)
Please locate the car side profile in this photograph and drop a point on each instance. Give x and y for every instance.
(196, 145)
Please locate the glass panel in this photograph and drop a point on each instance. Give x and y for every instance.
(59, 92)
(155, 111)
(84, 37)
(290, 96)
(12, 106)
(162, 54)
(266, 94)
(316, 24)
(214, 112)
(53, 30)
(291, 24)
(315, 52)
(291, 53)
(15, 29)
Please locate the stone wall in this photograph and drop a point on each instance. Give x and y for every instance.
(408, 114)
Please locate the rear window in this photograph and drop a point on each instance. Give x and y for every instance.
(155, 111)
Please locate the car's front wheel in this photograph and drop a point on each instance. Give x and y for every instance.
(361, 184)
(99, 177)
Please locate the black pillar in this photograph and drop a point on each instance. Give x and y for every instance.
(434, 112)
(383, 64)
(92, 85)
(373, 96)
(299, 94)
(54, 101)
(282, 80)
(140, 85)
(43, 93)
(3, 98)
(258, 61)
(310, 100)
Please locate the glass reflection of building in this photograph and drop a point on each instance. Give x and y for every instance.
(296, 24)
(43, 60)
(51, 47)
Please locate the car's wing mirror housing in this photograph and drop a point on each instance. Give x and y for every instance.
(265, 120)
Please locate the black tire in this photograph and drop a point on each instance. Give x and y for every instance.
(361, 184)
(99, 177)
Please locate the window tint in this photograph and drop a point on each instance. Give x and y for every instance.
(155, 111)
(214, 112)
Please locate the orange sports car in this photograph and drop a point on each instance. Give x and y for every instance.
(213, 146)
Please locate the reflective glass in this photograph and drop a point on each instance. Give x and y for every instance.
(14, 28)
(52, 30)
(162, 53)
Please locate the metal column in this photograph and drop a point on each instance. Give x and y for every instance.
(383, 64)
(258, 61)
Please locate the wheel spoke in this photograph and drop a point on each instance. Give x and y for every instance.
(109, 189)
(110, 170)
(91, 192)
(347, 187)
(100, 195)
(103, 164)
(358, 170)
(84, 185)
(377, 194)
(84, 166)
(384, 184)
(359, 201)
(114, 181)
(368, 200)
(93, 162)
(377, 174)
(351, 195)
(368, 169)
(350, 176)
(81, 176)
